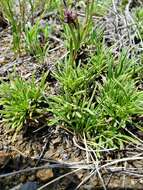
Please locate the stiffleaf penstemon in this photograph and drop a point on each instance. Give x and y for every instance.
(71, 19)
(77, 32)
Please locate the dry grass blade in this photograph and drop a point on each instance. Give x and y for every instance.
(84, 149)
(87, 153)
(121, 160)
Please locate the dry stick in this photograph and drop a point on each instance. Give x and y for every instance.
(120, 168)
(69, 166)
(56, 48)
(87, 153)
(132, 174)
(137, 155)
(55, 38)
(121, 160)
(121, 171)
(98, 172)
(43, 151)
(124, 176)
(58, 178)
(40, 128)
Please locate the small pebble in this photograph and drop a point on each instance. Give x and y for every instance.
(44, 174)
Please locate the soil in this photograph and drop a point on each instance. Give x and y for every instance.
(45, 150)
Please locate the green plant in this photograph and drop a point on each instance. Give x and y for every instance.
(9, 11)
(76, 32)
(19, 14)
(36, 40)
(21, 100)
(98, 105)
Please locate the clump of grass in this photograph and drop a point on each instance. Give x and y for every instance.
(98, 99)
(21, 100)
(119, 100)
